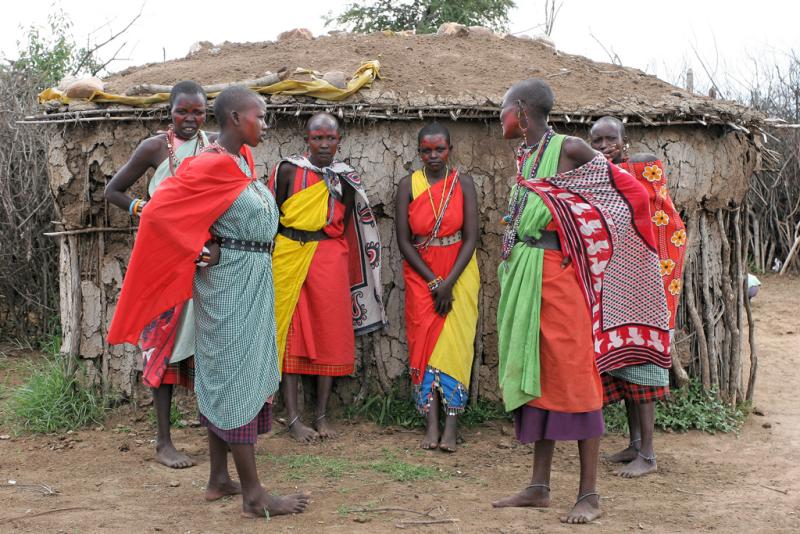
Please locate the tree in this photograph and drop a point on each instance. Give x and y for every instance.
(424, 16)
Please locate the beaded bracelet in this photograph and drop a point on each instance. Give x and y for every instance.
(204, 258)
(136, 206)
(436, 282)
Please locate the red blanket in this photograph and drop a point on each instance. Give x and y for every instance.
(603, 218)
(174, 226)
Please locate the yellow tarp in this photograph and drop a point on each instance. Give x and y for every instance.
(363, 77)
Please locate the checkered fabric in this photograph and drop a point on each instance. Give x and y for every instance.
(300, 365)
(246, 433)
(236, 358)
(616, 389)
(181, 373)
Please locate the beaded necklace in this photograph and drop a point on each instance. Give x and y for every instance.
(519, 198)
(444, 190)
(173, 161)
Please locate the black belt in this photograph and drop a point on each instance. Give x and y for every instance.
(548, 240)
(247, 246)
(303, 236)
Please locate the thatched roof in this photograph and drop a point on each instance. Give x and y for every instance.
(431, 75)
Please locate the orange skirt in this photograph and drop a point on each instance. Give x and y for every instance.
(569, 377)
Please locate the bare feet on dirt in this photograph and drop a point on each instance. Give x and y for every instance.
(302, 433)
(168, 455)
(637, 468)
(324, 428)
(624, 456)
(431, 439)
(214, 492)
(585, 510)
(266, 505)
(532, 496)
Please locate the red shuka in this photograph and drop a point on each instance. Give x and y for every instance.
(423, 324)
(174, 226)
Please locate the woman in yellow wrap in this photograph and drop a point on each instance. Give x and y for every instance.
(327, 271)
(437, 231)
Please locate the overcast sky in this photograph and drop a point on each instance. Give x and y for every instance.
(656, 36)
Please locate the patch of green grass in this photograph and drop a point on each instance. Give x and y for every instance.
(483, 412)
(403, 471)
(388, 410)
(690, 408)
(398, 410)
(303, 465)
(51, 401)
(177, 418)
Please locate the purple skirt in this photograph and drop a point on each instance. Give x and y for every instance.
(534, 424)
(261, 424)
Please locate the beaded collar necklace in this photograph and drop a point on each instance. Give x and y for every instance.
(173, 161)
(519, 197)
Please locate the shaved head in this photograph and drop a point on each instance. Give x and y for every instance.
(611, 121)
(534, 93)
(322, 120)
(233, 99)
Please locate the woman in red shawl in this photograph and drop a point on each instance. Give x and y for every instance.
(641, 385)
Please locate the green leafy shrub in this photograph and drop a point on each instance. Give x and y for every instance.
(689, 408)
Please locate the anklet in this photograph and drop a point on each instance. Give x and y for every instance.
(293, 422)
(631, 443)
(582, 497)
(648, 459)
(545, 486)
(320, 418)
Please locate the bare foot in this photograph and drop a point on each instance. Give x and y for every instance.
(585, 511)
(302, 433)
(215, 492)
(535, 497)
(324, 428)
(637, 468)
(168, 455)
(431, 439)
(448, 443)
(624, 456)
(267, 505)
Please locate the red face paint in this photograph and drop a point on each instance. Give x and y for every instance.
(188, 115)
(434, 150)
(323, 142)
(509, 118)
(252, 123)
(605, 137)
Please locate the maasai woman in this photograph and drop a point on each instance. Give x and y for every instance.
(566, 307)
(643, 384)
(237, 364)
(437, 230)
(168, 342)
(327, 259)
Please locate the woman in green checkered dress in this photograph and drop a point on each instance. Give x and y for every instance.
(236, 351)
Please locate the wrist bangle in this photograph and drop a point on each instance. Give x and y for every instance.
(204, 258)
(130, 206)
(436, 282)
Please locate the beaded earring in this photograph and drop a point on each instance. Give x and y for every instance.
(521, 112)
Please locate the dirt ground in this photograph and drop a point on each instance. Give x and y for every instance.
(107, 481)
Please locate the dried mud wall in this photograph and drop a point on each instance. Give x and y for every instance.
(708, 170)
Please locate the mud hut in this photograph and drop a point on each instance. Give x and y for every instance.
(710, 149)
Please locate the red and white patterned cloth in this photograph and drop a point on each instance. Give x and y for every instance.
(668, 227)
(603, 219)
